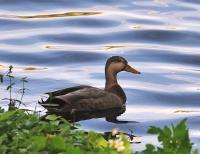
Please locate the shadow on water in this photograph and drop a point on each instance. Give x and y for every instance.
(87, 115)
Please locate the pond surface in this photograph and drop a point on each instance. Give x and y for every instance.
(63, 43)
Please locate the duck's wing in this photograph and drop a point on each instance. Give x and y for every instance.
(66, 90)
(52, 95)
(85, 99)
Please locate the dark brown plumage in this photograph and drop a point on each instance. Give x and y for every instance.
(88, 102)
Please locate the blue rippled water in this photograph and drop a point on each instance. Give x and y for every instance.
(63, 43)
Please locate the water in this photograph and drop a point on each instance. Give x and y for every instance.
(58, 44)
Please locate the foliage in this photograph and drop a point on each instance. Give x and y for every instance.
(174, 140)
(13, 102)
(1, 78)
(26, 133)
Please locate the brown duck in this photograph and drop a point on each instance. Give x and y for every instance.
(86, 102)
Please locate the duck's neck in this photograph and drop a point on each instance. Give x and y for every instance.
(111, 79)
(113, 86)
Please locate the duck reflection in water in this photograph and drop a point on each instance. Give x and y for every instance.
(86, 102)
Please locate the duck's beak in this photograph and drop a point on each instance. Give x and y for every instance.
(128, 68)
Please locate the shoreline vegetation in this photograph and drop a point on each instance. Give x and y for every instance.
(24, 131)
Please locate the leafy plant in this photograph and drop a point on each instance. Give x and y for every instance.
(174, 140)
(10, 86)
(22, 90)
(13, 102)
(26, 133)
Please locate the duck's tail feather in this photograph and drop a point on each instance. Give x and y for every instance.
(41, 102)
(46, 104)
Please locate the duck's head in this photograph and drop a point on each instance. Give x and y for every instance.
(116, 64)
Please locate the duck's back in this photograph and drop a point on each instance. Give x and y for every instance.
(85, 99)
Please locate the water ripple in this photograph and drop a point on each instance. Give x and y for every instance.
(13, 24)
(165, 37)
(66, 14)
(49, 59)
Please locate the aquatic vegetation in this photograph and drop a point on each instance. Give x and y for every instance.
(27, 133)
(10, 87)
(174, 140)
(13, 102)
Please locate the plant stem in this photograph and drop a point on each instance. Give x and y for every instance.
(10, 90)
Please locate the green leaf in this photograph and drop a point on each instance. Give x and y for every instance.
(73, 150)
(6, 115)
(52, 117)
(10, 86)
(57, 143)
(101, 142)
(23, 150)
(154, 130)
(1, 110)
(56, 122)
(180, 129)
(3, 137)
(174, 141)
(149, 149)
(167, 132)
(38, 142)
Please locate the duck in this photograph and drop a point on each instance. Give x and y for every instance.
(90, 102)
